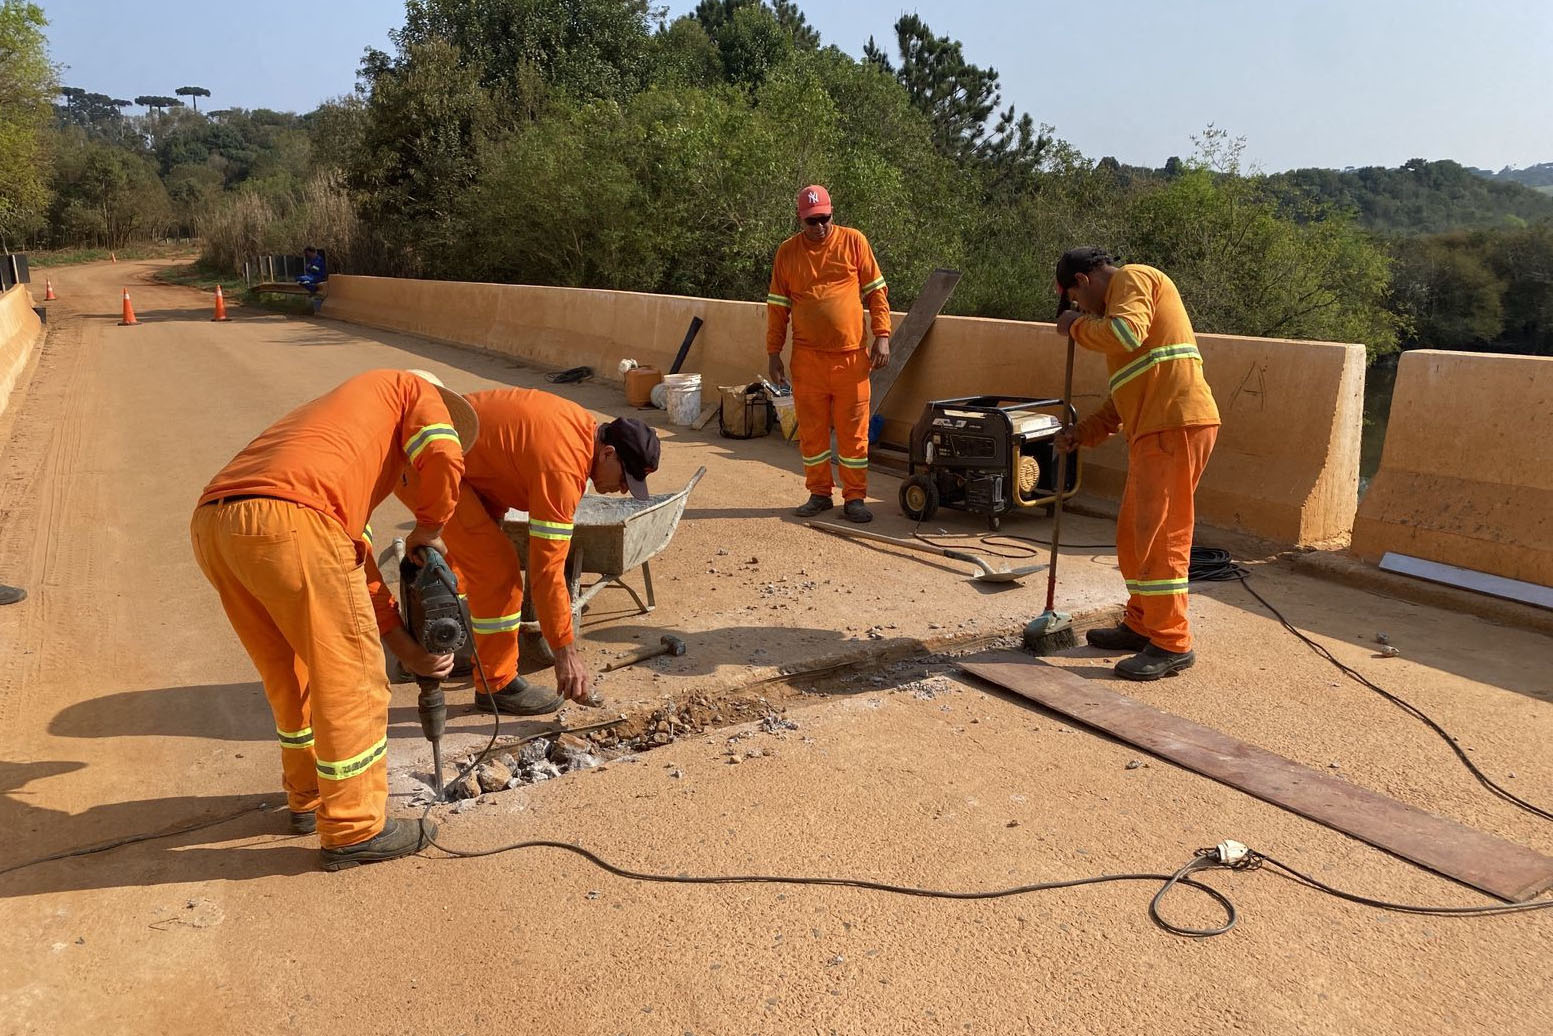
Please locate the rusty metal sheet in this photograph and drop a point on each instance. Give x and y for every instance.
(1486, 862)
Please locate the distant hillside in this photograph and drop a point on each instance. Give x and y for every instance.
(1422, 197)
(1539, 176)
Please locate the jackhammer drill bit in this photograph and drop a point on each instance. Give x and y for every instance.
(434, 721)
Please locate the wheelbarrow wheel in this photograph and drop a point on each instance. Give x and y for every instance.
(919, 498)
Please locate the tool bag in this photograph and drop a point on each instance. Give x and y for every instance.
(745, 412)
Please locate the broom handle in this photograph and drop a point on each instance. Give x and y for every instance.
(1062, 484)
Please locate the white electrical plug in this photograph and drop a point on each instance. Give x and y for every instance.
(1231, 852)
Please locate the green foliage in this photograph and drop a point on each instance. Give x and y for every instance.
(104, 195)
(26, 85)
(1418, 197)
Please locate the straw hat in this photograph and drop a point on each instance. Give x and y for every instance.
(465, 421)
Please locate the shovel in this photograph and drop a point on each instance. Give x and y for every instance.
(988, 572)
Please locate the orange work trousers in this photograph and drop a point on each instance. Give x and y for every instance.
(830, 391)
(293, 588)
(1154, 530)
(491, 579)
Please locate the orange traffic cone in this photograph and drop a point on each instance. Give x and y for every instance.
(48, 290)
(220, 306)
(129, 312)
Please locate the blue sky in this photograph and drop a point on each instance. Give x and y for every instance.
(1306, 82)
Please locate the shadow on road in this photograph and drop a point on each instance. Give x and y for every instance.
(35, 832)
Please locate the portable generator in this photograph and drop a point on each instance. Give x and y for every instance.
(989, 455)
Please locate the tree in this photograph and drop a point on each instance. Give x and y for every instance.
(193, 92)
(156, 102)
(715, 14)
(1446, 292)
(959, 98)
(521, 49)
(428, 126)
(27, 85)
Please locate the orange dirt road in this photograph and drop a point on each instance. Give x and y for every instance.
(127, 706)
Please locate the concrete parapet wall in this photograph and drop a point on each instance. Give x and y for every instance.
(20, 329)
(1286, 467)
(1466, 475)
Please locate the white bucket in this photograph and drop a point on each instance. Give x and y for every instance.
(682, 396)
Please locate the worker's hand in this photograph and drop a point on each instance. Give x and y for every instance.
(1065, 441)
(777, 372)
(416, 658)
(879, 352)
(424, 536)
(1065, 322)
(572, 678)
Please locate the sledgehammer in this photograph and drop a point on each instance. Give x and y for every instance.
(668, 645)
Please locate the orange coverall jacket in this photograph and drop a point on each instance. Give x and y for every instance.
(822, 286)
(1151, 352)
(343, 453)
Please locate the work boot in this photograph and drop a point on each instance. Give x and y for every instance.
(1154, 662)
(304, 823)
(519, 698)
(398, 838)
(857, 511)
(814, 505)
(1120, 637)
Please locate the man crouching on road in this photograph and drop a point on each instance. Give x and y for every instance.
(1134, 316)
(537, 454)
(281, 534)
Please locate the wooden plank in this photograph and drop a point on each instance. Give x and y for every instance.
(1468, 579)
(706, 415)
(919, 319)
(1501, 868)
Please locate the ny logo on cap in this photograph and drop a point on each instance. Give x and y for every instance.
(814, 199)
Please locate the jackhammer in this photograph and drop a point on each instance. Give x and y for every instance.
(435, 619)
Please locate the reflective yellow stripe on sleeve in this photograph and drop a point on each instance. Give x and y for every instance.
(779, 300)
(426, 436)
(549, 530)
(873, 285)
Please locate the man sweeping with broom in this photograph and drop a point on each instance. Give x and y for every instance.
(1133, 315)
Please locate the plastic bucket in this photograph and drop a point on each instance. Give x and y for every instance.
(682, 398)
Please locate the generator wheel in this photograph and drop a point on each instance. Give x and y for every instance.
(919, 498)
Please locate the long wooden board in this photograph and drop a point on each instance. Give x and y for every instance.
(1501, 868)
(919, 320)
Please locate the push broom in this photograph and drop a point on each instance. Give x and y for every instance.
(1052, 631)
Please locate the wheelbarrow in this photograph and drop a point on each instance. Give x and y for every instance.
(611, 536)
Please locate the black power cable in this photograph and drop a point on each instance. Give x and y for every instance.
(1211, 564)
(571, 376)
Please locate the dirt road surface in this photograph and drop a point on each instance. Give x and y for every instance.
(127, 706)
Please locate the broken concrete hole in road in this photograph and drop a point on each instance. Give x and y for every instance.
(515, 764)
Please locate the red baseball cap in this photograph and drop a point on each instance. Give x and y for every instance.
(813, 200)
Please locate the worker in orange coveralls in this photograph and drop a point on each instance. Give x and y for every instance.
(1133, 315)
(281, 533)
(820, 278)
(537, 453)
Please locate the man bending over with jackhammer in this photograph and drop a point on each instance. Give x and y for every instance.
(1134, 316)
(281, 534)
(537, 454)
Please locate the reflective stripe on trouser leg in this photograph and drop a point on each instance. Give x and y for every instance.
(486, 564)
(300, 570)
(283, 675)
(849, 413)
(812, 405)
(1154, 530)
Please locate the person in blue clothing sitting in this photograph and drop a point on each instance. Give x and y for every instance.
(315, 269)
